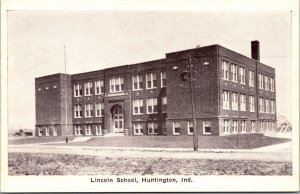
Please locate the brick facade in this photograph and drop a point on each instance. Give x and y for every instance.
(166, 103)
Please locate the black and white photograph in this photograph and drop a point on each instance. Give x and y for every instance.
(150, 98)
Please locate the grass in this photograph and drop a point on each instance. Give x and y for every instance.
(242, 141)
(32, 140)
(60, 164)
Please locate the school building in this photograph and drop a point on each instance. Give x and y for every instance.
(233, 94)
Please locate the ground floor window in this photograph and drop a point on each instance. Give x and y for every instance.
(164, 127)
(78, 130)
(243, 126)
(152, 128)
(40, 131)
(88, 130)
(190, 127)
(98, 129)
(54, 131)
(176, 128)
(267, 125)
(261, 126)
(138, 128)
(47, 131)
(206, 127)
(273, 126)
(235, 126)
(226, 127)
(253, 126)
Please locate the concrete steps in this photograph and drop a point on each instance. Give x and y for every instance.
(114, 135)
(81, 139)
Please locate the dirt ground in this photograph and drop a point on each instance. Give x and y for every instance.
(63, 164)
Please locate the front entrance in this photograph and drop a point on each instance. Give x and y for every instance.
(118, 119)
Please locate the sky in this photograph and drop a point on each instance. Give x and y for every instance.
(100, 39)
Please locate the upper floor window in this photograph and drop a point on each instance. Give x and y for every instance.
(77, 111)
(267, 105)
(99, 109)
(88, 110)
(273, 106)
(137, 81)
(88, 88)
(242, 75)
(234, 72)
(99, 87)
(261, 105)
(151, 105)
(267, 86)
(151, 79)
(272, 86)
(261, 81)
(234, 102)
(116, 84)
(225, 99)
(163, 79)
(252, 103)
(251, 78)
(225, 70)
(164, 104)
(138, 107)
(77, 90)
(243, 102)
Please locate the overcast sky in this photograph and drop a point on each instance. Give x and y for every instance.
(97, 40)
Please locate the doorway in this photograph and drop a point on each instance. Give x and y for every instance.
(118, 119)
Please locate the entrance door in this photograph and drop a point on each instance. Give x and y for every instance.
(118, 119)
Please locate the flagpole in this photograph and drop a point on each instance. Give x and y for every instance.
(66, 113)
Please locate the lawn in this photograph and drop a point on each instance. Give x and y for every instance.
(242, 141)
(60, 164)
(31, 140)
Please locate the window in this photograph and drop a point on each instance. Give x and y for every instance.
(243, 102)
(99, 87)
(234, 71)
(99, 109)
(234, 102)
(253, 126)
(261, 81)
(242, 75)
(88, 110)
(151, 80)
(137, 81)
(138, 128)
(54, 131)
(252, 104)
(273, 106)
(267, 125)
(226, 127)
(261, 126)
(98, 129)
(88, 88)
(40, 131)
(78, 130)
(164, 104)
(261, 105)
(77, 90)
(206, 127)
(46, 131)
(243, 126)
(225, 70)
(235, 126)
(190, 127)
(116, 84)
(272, 84)
(88, 130)
(267, 86)
(151, 105)
(226, 99)
(152, 128)
(267, 105)
(251, 78)
(163, 79)
(176, 128)
(273, 126)
(78, 111)
(164, 127)
(138, 107)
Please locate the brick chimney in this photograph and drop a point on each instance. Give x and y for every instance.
(255, 50)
